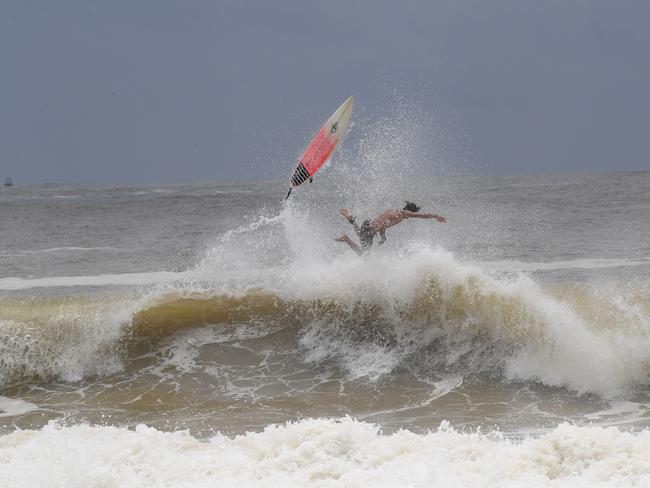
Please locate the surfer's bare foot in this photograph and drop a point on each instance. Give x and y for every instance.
(347, 215)
(343, 238)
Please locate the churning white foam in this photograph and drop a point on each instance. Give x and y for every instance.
(323, 453)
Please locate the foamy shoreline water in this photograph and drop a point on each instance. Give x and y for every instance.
(323, 453)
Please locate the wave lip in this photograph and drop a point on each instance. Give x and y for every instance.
(323, 452)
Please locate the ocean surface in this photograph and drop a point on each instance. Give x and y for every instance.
(215, 335)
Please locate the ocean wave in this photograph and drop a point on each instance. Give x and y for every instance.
(425, 311)
(323, 452)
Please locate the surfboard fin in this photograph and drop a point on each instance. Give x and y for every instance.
(311, 180)
(289, 193)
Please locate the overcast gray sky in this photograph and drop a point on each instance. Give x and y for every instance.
(160, 91)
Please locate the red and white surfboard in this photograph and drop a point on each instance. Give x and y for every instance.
(320, 148)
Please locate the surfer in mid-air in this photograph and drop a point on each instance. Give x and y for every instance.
(370, 228)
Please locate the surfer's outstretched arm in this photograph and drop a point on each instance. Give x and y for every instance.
(418, 215)
(349, 242)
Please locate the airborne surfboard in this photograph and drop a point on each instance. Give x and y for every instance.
(320, 148)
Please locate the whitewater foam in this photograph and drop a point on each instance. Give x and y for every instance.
(320, 453)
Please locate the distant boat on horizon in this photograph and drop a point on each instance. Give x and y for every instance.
(8, 182)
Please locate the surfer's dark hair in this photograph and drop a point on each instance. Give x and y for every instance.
(411, 207)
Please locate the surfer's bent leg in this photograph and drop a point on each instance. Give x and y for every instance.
(349, 242)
